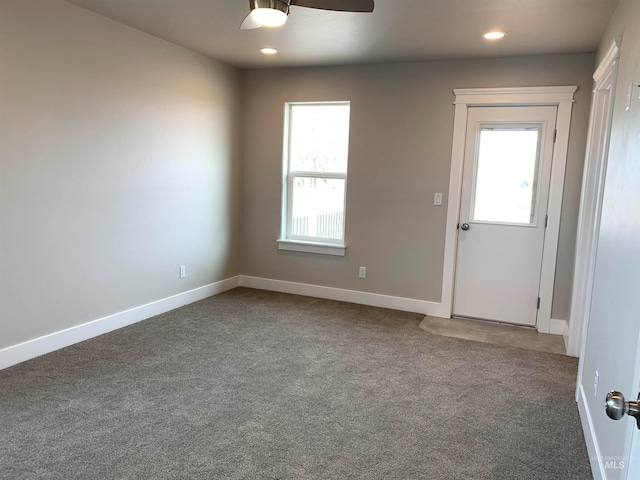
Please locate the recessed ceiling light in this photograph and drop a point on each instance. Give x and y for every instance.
(269, 51)
(494, 35)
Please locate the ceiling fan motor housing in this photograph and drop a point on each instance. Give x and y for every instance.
(281, 5)
(269, 13)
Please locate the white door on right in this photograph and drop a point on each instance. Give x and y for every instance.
(611, 352)
(505, 188)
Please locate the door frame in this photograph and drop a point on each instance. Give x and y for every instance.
(591, 202)
(561, 97)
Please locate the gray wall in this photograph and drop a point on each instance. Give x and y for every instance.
(400, 150)
(619, 23)
(119, 161)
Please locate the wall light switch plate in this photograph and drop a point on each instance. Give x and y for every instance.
(629, 97)
(437, 199)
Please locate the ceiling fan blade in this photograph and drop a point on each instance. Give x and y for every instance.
(337, 5)
(249, 23)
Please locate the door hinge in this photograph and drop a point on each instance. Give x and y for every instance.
(546, 221)
(538, 303)
(555, 136)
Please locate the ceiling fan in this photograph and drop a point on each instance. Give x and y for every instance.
(273, 13)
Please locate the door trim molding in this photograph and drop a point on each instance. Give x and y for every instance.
(590, 204)
(563, 98)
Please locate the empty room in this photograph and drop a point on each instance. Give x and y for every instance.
(260, 239)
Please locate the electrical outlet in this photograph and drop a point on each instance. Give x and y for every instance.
(596, 379)
(363, 272)
(183, 271)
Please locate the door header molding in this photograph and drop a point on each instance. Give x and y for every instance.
(563, 98)
(609, 62)
(515, 96)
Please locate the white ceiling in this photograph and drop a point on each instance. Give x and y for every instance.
(397, 30)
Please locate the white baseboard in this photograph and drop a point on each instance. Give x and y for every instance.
(39, 346)
(565, 335)
(597, 467)
(362, 298)
(557, 327)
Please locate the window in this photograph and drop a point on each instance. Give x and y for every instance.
(315, 177)
(506, 175)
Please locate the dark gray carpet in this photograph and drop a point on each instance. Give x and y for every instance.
(260, 385)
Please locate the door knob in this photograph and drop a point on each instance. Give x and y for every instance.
(616, 407)
(464, 226)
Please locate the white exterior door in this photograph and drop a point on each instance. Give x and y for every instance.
(505, 188)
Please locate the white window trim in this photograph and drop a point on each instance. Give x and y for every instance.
(563, 98)
(337, 249)
(290, 243)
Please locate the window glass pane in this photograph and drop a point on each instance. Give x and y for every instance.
(506, 176)
(319, 139)
(318, 207)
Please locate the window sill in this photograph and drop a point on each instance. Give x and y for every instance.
(336, 249)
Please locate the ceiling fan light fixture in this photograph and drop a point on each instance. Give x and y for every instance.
(273, 13)
(269, 13)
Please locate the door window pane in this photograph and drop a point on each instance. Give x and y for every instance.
(506, 176)
(318, 207)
